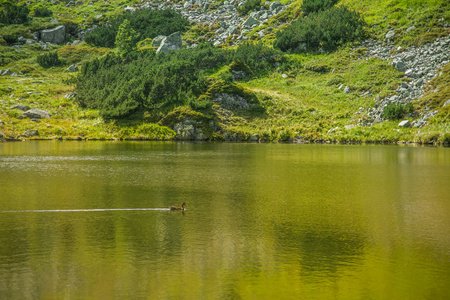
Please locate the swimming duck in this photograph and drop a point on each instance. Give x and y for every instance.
(178, 208)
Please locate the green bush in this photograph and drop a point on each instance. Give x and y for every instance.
(248, 6)
(48, 60)
(10, 39)
(258, 57)
(328, 29)
(14, 14)
(397, 111)
(310, 6)
(148, 23)
(42, 12)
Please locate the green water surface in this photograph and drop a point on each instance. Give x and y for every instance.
(263, 221)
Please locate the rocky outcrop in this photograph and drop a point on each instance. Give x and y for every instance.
(419, 64)
(37, 114)
(55, 35)
(189, 129)
(31, 133)
(231, 102)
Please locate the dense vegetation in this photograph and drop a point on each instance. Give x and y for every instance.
(397, 111)
(47, 60)
(14, 14)
(248, 6)
(42, 12)
(310, 6)
(145, 81)
(147, 23)
(327, 29)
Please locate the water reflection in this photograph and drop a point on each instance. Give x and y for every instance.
(263, 221)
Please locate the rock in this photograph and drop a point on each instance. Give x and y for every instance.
(170, 43)
(250, 22)
(390, 34)
(21, 107)
(187, 5)
(399, 65)
(37, 114)
(347, 90)
(350, 126)
(274, 5)
(410, 28)
(254, 138)
(409, 73)
(55, 35)
(72, 68)
(21, 40)
(70, 95)
(6, 72)
(284, 76)
(231, 102)
(446, 103)
(31, 132)
(404, 123)
(157, 41)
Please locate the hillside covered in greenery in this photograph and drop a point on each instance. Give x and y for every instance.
(302, 71)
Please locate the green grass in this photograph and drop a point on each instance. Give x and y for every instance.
(306, 105)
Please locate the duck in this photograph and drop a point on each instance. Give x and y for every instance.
(178, 208)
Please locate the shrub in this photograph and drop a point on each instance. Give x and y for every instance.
(258, 57)
(10, 39)
(48, 60)
(248, 6)
(126, 38)
(14, 14)
(310, 6)
(148, 23)
(328, 29)
(42, 12)
(397, 111)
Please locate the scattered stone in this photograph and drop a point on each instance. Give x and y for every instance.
(399, 65)
(250, 22)
(390, 34)
(158, 40)
(446, 103)
(350, 126)
(72, 68)
(231, 102)
(404, 123)
(347, 90)
(254, 138)
(37, 114)
(21, 107)
(70, 95)
(284, 76)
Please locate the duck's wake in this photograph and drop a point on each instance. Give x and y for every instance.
(79, 210)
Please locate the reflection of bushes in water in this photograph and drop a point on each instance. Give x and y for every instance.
(334, 248)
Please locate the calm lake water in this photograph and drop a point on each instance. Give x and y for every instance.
(263, 221)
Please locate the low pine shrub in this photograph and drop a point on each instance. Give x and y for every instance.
(394, 112)
(248, 6)
(14, 14)
(328, 29)
(258, 57)
(147, 23)
(310, 6)
(42, 12)
(48, 60)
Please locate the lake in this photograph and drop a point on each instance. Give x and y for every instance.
(89, 220)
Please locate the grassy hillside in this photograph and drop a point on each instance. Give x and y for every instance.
(300, 99)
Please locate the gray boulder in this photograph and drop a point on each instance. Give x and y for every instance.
(254, 138)
(37, 114)
(231, 102)
(399, 65)
(274, 5)
(404, 123)
(72, 68)
(31, 132)
(250, 22)
(390, 34)
(170, 43)
(158, 40)
(55, 35)
(21, 107)
(446, 103)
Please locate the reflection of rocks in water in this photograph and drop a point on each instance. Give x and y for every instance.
(322, 251)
